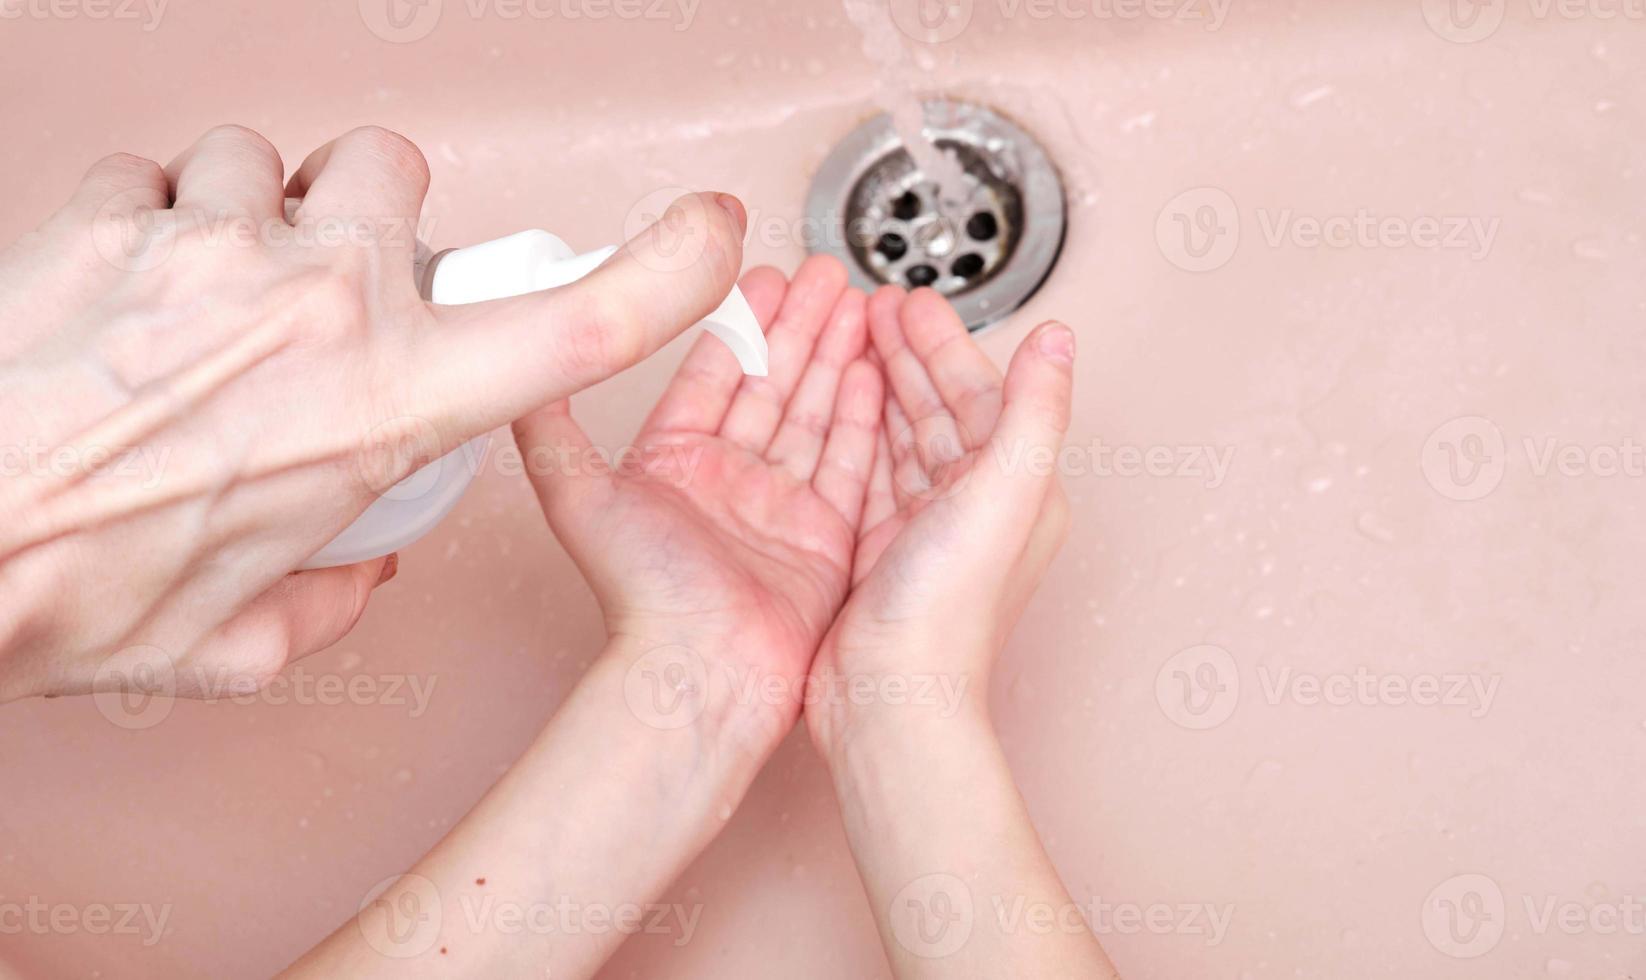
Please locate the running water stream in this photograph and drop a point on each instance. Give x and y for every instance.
(896, 91)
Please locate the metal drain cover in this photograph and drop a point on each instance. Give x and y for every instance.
(987, 246)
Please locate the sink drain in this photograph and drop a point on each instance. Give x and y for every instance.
(987, 245)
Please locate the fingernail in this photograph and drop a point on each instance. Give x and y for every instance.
(1057, 342)
(734, 207)
(391, 568)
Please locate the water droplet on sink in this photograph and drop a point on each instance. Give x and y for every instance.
(1309, 96)
(1591, 248)
(1373, 526)
(1142, 120)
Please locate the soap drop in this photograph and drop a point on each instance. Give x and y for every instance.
(403, 776)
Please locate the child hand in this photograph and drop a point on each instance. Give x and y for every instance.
(723, 553)
(964, 509)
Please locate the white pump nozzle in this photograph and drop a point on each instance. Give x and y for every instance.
(521, 263)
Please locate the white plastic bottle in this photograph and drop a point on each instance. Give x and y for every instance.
(521, 263)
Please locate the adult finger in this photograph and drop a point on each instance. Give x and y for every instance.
(229, 171)
(368, 173)
(302, 614)
(484, 364)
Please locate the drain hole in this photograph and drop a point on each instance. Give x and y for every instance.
(892, 246)
(982, 227)
(907, 207)
(921, 275)
(987, 243)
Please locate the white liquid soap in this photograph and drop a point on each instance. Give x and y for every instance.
(520, 263)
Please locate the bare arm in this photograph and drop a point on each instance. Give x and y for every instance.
(953, 867)
(963, 514)
(719, 560)
(563, 859)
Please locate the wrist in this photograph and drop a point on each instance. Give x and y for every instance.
(904, 778)
(894, 713)
(675, 695)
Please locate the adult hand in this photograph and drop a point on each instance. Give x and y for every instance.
(197, 392)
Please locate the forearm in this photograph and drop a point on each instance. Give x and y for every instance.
(556, 864)
(956, 875)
